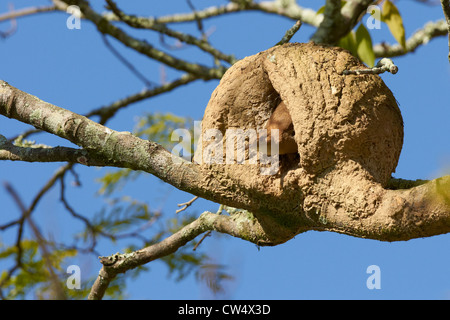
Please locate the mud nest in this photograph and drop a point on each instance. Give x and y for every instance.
(339, 120)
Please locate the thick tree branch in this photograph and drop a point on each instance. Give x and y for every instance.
(402, 214)
(353, 11)
(332, 19)
(422, 211)
(338, 22)
(107, 112)
(117, 149)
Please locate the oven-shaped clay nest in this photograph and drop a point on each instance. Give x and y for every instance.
(339, 120)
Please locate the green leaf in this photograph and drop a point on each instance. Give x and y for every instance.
(115, 180)
(159, 127)
(364, 46)
(321, 10)
(391, 16)
(375, 12)
(121, 215)
(359, 43)
(34, 274)
(349, 43)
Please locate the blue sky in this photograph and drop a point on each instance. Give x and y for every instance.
(74, 70)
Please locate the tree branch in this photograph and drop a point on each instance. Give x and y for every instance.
(420, 37)
(9, 151)
(117, 149)
(42, 243)
(289, 10)
(107, 112)
(290, 33)
(384, 65)
(26, 12)
(126, 63)
(365, 208)
(421, 210)
(237, 225)
(141, 46)
(331, 19)
(446, 8)
(357, 206)
(338, 22)
(26, 215)
(144, 23)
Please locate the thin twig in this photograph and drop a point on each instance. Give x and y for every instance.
(14, 14)
(24, 135)
(446, 8)
(290, 33)
(76, 215)
(127, 64)
(291, 11)
(42, 243)
(147, 49)
(207, 234)
(39, 153)
(186, 204)
(198, 20)
(94, 231)
(145, 23)
(384, 65)
(77, 181)
(25, 214)
(119, 263)
(5, 34)
(421, 37)
(107, 112)
(114, 264)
